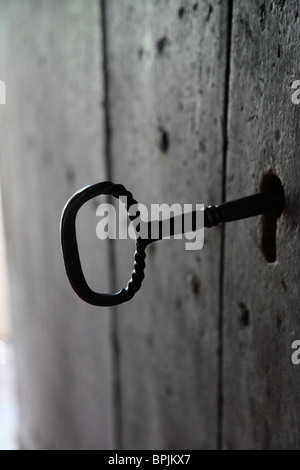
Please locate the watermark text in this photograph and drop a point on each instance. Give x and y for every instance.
(162, 221)
(2, 92)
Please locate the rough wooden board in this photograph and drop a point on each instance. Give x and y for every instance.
(52, 144)
(261, 385)
(166, 70)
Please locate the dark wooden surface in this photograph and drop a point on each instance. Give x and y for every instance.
(166, 69)
(261, 299)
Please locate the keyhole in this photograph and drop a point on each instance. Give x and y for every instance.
(271, 183)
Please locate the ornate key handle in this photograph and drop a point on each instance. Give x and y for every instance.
(260, 203)
(71, 254)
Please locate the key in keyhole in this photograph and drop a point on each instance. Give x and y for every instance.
(272, 184)
(270, 202)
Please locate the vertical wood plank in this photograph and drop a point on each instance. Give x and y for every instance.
(52, 144)
(5, 322)
(166, 71)
(261, 385)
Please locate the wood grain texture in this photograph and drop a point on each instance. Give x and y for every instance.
(166, 70)
(261, 385)
(51, 145)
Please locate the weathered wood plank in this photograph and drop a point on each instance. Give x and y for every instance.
(166, 69)
(261, 385)
(52, 144)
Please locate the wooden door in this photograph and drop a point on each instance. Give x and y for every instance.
(183, 101)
